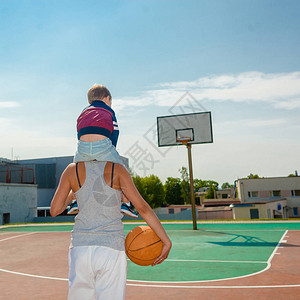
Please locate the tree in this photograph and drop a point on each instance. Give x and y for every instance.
(213, 186)
(185, 185)
(154, 191)
(226, 185)
(198, 184)
(173, 191)
(251, 176)
(140, 185)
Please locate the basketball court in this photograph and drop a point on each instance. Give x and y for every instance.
(228, 260)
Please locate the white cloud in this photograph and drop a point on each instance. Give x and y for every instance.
(282, 90)
(253, 123)
(9, 104)
(289, 104)
(265, 123)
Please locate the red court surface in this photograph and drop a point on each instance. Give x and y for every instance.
(34, 265)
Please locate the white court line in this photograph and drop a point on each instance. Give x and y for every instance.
(25, 274)
(215, 261)
(218, 261)
(35, 224)
(224, 230)
(223, 279)
(31, 275)
(178, 286)
(14, 237)
(216, 286)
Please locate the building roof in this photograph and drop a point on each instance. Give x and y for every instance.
(245, 204)
(215, 208)
(266, 178)
(219, 202)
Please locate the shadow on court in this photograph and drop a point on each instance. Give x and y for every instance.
(252, 244)
(248, 241)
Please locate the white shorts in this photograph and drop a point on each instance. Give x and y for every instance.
(97, 272)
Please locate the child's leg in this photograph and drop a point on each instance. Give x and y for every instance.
(73, 209)
(83, 151)
(127, 208)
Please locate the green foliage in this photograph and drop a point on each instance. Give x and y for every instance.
(173, 191)
(140, 185)
(185, 185)
(291, 175)
(226, 185)
(151, 189)
(253, 176)
(198, 183)
(213, 186)
(155, 192)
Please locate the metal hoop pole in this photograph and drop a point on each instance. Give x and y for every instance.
(189, 148)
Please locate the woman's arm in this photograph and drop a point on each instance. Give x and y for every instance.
(63, 195)
(146, 212)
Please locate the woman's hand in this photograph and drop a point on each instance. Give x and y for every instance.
(164, 253)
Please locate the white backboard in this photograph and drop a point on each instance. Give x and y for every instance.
(197, 126)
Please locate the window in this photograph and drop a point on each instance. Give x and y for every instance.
(275, 194)
(41, 213)
(171, 210)
(253, 194)
(224, 196)
(295, 193)
(254, 214)
(295, 210)
(6, 218)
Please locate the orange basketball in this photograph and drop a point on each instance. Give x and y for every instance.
(142, 245)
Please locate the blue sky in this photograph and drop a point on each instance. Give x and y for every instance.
(239, 59)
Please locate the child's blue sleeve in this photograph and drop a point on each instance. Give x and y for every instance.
(115, 134)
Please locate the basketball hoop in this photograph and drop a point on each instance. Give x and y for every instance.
(186, 129)
(183, 140)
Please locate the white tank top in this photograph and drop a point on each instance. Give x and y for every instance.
(98, 222)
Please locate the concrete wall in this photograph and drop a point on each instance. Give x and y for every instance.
(215, 215)
(44, 196)
(266, 210)
(19, 201)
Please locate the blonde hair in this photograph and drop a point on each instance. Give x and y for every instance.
(98, 92)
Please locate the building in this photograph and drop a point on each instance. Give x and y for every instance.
(47, 175)
(219, 207)
(43, 174)
(18, 193)
(274, 197)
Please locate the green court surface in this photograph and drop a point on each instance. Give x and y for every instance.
(214, 251)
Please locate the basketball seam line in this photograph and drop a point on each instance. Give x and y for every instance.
(145, 246)
(136, 237)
